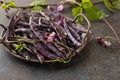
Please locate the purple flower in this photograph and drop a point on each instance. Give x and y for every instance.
(60, 22)
(51, 37)
(1, 1)
(60, 8)
(99, 40)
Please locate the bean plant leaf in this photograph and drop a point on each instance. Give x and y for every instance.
(92, 12)
(37, 4)
(5, 6)
(12, 4)
(112, 5)
(109, 5)
(87, 4)
(75, 12)
(19, 47)
(8, 4)
(37, 8)
(116, 4)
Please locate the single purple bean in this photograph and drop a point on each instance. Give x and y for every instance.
(40, 57)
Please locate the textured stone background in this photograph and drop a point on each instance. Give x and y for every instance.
(94, 63)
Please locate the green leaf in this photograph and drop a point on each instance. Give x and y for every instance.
(109, 5)
(37, 8)
(92, 12)
(12, 4)
(19, 47)
(8, 4)
(76, 11)
(112, 5)
(5, 6)
(40, 2)
(116, 4)
(37, 4)
(87, 3)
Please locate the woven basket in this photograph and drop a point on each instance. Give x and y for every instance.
(13, 52)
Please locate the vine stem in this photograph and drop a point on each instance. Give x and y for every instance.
(98, 2)
(113, 30)
(44, 5)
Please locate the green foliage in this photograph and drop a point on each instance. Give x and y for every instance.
(116, 4)
(37, 4)
(92, 12)
(12, 4)
(8, 4)
(87, 4)
(5, 6)
(112, 5)
(109, 5)
(19, 47)
(76, 11)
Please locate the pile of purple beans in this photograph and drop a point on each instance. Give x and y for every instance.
(43, 36)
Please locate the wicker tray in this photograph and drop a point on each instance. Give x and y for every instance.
(13, 52)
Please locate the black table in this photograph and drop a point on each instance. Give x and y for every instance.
(94, 63)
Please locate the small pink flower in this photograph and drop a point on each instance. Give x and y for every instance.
(48, 7)
(103, 42)
(107, 44)
(52, 34)
(51, 37)
(60, 8)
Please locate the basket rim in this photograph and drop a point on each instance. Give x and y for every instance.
(37, 61)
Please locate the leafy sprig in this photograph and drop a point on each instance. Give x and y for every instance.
(19, 47)
(37, 4)
(6, 5)
(112, 5)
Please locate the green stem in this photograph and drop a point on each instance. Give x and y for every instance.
(98, 2)
(113, 30)
(29, 7)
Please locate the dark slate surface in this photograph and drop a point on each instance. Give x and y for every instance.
(95, 63)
